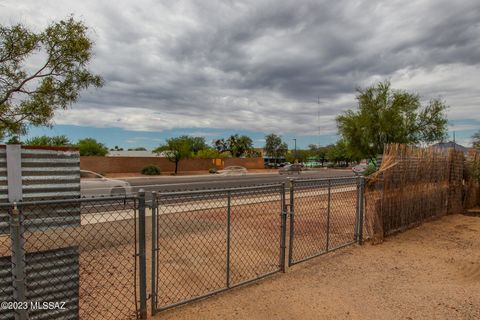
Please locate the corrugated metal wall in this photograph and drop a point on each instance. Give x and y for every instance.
(50, 275)
(46, 174)
(50, 174)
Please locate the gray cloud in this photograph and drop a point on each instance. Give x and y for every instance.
(260, 65)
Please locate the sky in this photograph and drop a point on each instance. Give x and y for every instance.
(215, 68)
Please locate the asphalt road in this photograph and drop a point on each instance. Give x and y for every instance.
(182, 183)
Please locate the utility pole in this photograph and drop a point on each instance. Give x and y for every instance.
(294, 139)
(318, 120)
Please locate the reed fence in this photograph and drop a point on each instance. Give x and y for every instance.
(411, 186)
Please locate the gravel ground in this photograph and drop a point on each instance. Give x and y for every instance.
(429, 272)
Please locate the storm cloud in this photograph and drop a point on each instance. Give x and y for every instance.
(262, 65)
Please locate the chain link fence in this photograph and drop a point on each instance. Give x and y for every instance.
(213, 240)
(324, 216)
(111, 258)
(79, 253)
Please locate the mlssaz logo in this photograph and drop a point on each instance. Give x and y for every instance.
(37, 305)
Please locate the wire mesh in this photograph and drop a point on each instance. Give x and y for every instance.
(6, 279)
(256, 231)
(87, 262)
(212, 240)
(324, 216)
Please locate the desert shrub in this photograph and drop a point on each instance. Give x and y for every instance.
(369, 170)
(151, 170)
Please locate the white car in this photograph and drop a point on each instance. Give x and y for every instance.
(233, 171)
(93, 184)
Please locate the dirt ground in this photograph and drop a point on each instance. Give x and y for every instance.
(429, 272)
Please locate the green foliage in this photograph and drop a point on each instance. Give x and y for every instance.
(13, 140)
(31, 94)
(116, 148)
(137, 149)
(55, 141)
(197, 144)
(182, 147)
(339, 153)
(252, 153)
(237, 145)
(371, 168)
(390, 116)
(301, 156)
(274, 146)
(210, 154)
(213, 170)
(91, 147)
(476, 140)
(151, 170)
(320, 153)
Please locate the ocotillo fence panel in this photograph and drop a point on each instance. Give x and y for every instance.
(472, 180)
(413, 185)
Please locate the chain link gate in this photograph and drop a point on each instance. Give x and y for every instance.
(325, 215)
(208, 241)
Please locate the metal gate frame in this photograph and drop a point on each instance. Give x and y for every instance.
(155, 278)
(359, 216)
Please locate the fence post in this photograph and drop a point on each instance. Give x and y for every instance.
(141, 254)
(154, 253)
(329, 200)
(361, 209)
(18, 260)
(15, 194)
(283, 228)
(357, 210)
(229, 199)
(292, 221)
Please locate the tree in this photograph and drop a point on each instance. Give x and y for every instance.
(301, 156)
(237, 145)
(91, 147)
(197, 144)
(476, 140)
(275, 147)
(55, 141)
(319, 152)
(14, 140)
(210, 154)
(390, 116)
(339, 153)
(137, 149)
(180, 148)
(31, 95)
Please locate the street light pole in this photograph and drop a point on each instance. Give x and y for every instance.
(294, 139)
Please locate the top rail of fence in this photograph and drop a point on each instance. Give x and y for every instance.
(210, 191)
(326, 179)
(72, 200)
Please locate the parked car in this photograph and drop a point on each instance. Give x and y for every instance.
(291, 168)
(233, 171)
(359, 168)
(93, 184)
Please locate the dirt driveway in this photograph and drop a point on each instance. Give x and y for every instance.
(430, 272)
